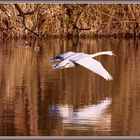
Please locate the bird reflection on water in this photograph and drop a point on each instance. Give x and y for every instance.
(89, 115)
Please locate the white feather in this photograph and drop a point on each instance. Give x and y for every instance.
(85, 60)
(93, 65)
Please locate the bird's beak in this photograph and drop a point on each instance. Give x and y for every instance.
(113, 54)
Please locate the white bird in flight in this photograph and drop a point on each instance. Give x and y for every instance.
(71, 59)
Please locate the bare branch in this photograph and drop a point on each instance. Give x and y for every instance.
(22, 14)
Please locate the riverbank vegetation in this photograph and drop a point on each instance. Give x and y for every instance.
(68, 20)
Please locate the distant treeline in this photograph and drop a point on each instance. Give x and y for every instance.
(69, 20)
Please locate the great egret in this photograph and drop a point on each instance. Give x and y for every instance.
(71, 59)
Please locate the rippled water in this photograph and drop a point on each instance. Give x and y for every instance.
(38, 101)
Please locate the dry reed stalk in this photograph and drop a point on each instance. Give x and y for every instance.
(42, 20)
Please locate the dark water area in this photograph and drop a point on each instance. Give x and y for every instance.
(36, 100)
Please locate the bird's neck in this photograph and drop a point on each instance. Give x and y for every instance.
(99, 53)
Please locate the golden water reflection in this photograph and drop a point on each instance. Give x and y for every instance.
(38, 101)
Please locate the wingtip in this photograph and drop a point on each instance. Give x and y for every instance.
(109, 78)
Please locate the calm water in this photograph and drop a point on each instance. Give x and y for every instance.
(38, 101)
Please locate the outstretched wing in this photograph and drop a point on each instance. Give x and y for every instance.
(62, 56)
(92, 65)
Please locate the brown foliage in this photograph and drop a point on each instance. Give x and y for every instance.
(43, 20)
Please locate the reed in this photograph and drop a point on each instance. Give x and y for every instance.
(68, 20)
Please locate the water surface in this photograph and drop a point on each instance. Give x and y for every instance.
(36, 100)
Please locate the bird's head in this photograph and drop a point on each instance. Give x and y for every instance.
(111, 53)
